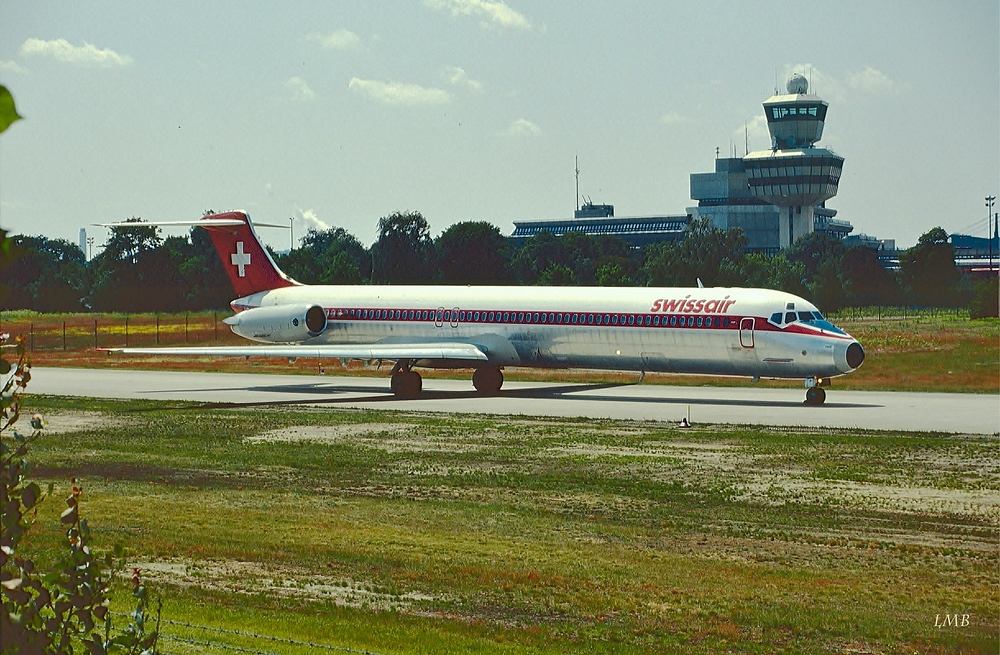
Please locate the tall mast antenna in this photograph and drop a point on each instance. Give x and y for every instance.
(576, 166)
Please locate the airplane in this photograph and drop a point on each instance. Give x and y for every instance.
(756, 333)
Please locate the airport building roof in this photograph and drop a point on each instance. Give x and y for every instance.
(634, 230)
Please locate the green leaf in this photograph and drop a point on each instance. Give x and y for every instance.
(8, 113)
(30, 495)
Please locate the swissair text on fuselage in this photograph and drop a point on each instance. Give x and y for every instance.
(687, 306)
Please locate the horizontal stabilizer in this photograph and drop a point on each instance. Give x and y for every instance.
(204, 222)
(389, 351)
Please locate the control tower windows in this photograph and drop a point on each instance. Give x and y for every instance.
(796, 111)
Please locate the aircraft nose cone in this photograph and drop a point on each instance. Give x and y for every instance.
(855, 355)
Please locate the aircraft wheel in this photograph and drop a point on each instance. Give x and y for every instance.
(414, 384)
(487, 380)
(815, 396)
(406, 384)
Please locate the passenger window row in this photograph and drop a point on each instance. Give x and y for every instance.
(548, 318)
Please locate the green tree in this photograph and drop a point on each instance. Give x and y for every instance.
(813, 250)
(403, 252)
(613, 274)
(127, 242)
(331, 256)
(617, 263)
(140, 272)
(826, 289)
(129, 273)
(706, 252)
(206, 280)
(928, 272)
(582, 255)
(866, 282)
(821, 255)
(536, 254)
(558, 275)
(50, 276)
(986, 301)
(763, 271)
(473, 252)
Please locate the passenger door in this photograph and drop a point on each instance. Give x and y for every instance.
(746, 332)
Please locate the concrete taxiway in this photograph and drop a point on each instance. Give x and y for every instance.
(944, 412)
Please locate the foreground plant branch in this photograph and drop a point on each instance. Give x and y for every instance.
(59, 608)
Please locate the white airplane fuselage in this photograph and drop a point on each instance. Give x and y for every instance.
(716, 331)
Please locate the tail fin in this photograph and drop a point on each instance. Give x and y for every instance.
(246, 260)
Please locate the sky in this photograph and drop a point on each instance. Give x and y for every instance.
(338, 113)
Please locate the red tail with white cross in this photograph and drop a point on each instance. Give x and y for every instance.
(247, 262)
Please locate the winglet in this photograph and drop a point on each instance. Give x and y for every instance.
(246, 260)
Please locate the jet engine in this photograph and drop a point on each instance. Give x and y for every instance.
(279, 323)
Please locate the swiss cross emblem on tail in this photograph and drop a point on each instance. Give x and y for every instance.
(247, 263)
(240, 259)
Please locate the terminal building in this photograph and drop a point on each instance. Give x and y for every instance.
(600, 220)
(775, 196)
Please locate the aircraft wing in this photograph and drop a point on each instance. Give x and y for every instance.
(387, 351)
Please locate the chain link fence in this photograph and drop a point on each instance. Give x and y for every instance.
(78, 332)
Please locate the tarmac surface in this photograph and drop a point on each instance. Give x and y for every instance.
(876, 410)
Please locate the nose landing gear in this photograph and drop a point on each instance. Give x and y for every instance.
(815, 396)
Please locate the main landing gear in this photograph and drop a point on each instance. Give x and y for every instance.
(487, 380)
(405, 383)
(815, 394)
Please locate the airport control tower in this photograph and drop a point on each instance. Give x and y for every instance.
(794, 174)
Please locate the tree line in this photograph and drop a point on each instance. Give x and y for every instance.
(139, 271)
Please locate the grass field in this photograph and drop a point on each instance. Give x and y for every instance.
(416, 533)
(917, 351)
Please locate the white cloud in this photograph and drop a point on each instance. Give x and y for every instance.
(85, 55)
(457, 77)
(870, 81)
(343, 40)
(306, 220)
(523, 127)
(851, 87)
(674, 118)
(397, 93)
(491, 13)
(11, 67)
(298, 89)
(754, 134)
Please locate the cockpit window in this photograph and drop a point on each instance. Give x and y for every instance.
(805, 316)
(776, 318)
(789, 317)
